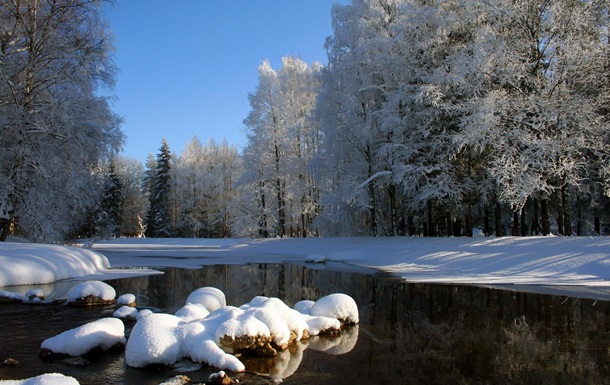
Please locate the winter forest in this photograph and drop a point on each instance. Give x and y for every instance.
(431, 118)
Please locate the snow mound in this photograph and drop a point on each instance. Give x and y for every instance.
(126, 299)
(154, 340)
(35, 264)
(192, 312)
(339, 306)
(126, 312)
(104, 333)
(91, 288)
(304, 306)
(209, 297)
(165, 339)
(44, 379)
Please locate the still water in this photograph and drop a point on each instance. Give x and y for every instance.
(408, 333)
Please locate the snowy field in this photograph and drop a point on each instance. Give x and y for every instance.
(548, 261)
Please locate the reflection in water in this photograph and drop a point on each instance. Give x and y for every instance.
(408, 333)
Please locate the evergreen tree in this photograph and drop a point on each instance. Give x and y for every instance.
(111, 206)
(159, 224)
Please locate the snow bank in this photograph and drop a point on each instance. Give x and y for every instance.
(34, 264)
(45, 379)
(104, 333)
(538, 260)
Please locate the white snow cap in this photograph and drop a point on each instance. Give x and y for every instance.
(104, 333)
(192, 312)
(87, 288)
(44, 379)
(339, 306)
(126, 312)
(126, 299)
(209, 297)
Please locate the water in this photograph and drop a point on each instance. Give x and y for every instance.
(408, 334)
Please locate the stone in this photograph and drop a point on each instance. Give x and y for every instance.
(91, 300)
(10, 362)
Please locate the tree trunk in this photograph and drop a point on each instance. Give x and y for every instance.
(486, 227)
(546, 215)
(449, 231)
(431, 231)
(535, 230)
(498, 217)
(567, 219)
(514, 231)
(523, 223)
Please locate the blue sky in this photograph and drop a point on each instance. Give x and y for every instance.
(187, 66)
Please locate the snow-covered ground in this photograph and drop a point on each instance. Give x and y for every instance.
(548, 261)
(582, 261)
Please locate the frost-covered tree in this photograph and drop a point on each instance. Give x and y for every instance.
(280, 194)
(159, 221)
(536, 110)
(204, 177)
(54, 56)
(133, 201)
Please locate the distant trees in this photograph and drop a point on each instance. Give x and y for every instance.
(205, 177)
(55, 128)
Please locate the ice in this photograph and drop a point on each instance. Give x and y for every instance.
(104, 333)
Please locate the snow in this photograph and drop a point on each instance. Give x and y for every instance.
(27, 263)
(192, 312)
(339, 306)
(166, 339)
(126, 299)
(35, 264)
(537, 260)
(126, 312)
(45, 379)
(209, 297)
(95, 288)
(104, 333)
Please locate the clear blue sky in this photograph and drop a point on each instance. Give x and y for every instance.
(187, 66)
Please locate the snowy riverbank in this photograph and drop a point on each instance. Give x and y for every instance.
(573, 261)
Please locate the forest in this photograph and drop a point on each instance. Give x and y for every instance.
(431, 118)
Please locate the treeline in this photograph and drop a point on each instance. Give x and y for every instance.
(431, 118)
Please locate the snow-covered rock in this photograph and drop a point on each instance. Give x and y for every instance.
(126, 312)
(264, 326)
(339, 306)
(209, 297)
(44, 379)
(126, 300)
(105, 333)
(304, 306)
(91, 293)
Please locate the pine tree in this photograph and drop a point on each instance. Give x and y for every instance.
(111, 206)
(159, 218)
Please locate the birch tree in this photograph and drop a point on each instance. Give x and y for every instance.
(54, 55)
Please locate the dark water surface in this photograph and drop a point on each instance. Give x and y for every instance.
(408, 333)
